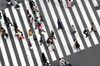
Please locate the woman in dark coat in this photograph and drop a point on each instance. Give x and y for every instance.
(44, 60)
(60, 25)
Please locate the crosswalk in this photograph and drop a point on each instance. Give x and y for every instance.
(16, 52)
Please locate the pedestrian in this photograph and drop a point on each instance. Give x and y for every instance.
(29, 43)
(33, 6)
(93, 28)
(29, 17)
(44, 60)
(50, 43)
(73, 29)
(41, 17)
(8, 22)
(59, 0)
(63, 62)
(60, 25)
(42, 40)
(15, 26)
(4, 33)
(31, 20)
(15, 3)
(8, 2)
(86, 32)
(40, 27)
(77, 46)
(30, 32)
(19, 34)
(1, 29)
(69, 3)
(0, 15)
(52, 34)
(38, 19)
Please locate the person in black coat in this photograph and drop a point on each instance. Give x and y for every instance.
(52, 34)
(8, 22)
(44, 60)
(15, 26)
(0, 15)
(77, 45)
(60, 25)
(4, 34)
(86, 32)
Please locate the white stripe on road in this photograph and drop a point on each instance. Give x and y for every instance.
(95, 3)
(4, 54)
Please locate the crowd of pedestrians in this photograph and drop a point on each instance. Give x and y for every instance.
(39, 24)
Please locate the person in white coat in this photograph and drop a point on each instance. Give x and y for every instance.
(63, 62)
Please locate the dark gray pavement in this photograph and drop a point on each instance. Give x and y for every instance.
(87, 57)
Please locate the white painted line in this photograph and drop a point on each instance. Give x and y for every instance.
(32, 40)
(4, 54)
(50, 26)
(87, 21)
(95, 3)
(80, 25)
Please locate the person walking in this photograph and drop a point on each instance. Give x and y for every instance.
(86, 32)
(42, 40)
(40, 27)
(73, 29)
(8, 22)
(52, 34)
(4, 33)
(63, 62)
(15, 26)
(19, 34)
(50, 43)
(59, 0)
(33, 6)
(60, 25)
(77, 46)
(93, 28)
(44, 59)
(69, 2)
(8, 2)
(0, 16)
(29, 43)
